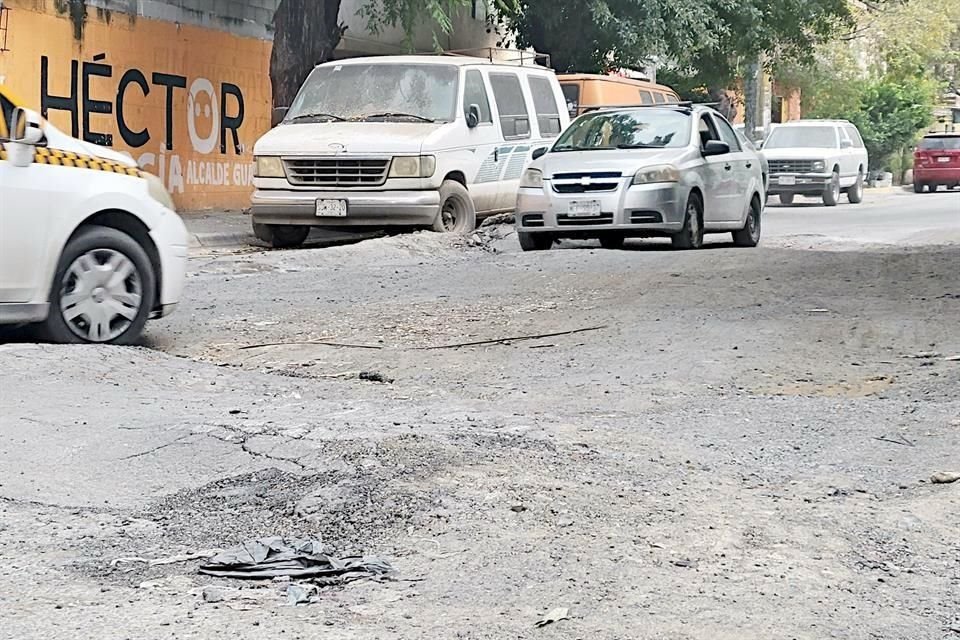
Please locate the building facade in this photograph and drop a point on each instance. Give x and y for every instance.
(181, 85)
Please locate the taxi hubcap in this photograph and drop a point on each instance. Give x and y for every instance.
(101, 295)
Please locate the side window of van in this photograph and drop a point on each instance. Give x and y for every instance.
(645, 97)
(545, 104)
(659, 98)
(474, 92)
(672, 99)
(514, 117)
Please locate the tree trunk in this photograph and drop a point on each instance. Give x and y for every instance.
(306, 33)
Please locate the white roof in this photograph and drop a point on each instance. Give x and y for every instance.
(456, 60)
(812, 123)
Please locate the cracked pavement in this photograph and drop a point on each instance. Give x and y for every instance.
(743, 451)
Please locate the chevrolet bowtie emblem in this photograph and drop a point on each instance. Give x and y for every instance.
(585, 181)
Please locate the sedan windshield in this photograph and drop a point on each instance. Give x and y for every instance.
(639, 129)
(377, 93)
(802, 137)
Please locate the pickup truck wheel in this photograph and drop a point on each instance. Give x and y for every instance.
(855, 193)
(786, 198)
(457, 213)
(535, 241)
(831, 194)
(691, 236)
(103, 291)
(281, 236)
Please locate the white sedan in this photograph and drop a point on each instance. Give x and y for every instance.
(90, 245)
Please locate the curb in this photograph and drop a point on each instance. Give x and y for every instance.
(220, 240)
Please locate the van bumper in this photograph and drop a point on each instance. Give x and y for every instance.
(364, 208)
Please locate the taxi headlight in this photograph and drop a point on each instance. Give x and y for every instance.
(532, 179)
(413, 166)
(658, 173)
(269, 167)
(158, 192)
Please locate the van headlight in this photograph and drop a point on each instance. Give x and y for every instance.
(158, 192)
(819, 165)
(413, 166)
(269, 167)
(658, 173)
(532, 179)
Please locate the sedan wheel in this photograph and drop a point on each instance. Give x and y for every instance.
(749, 236)
(691, 236)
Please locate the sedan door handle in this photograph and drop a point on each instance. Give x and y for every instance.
(728, 166)
(749, 164)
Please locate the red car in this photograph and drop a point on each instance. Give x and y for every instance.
(936, 162)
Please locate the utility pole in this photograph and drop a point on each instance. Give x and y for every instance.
(757, 98)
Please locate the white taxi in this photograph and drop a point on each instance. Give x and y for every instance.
(90, 245)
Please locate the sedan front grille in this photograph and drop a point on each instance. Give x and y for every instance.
(564, 220)
(791, 166)
(586, 182)
(337, 172)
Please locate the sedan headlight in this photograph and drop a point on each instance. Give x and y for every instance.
(659, 173)
(819, 165)
(413, 166)
(158, 192)
(532, 179)
(269, 167)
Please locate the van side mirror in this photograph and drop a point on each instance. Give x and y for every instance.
(277, 115)
(473, 116)
(846, 144)
(715, 148)
(539, 152)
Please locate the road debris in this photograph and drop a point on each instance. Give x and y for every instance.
(944, 477)
(294, 557)
(922, 355)
(155, 562)
(899, 439)
(324, 343)
(537, 336)
(555, 615)
(375, 376)
(299, 593)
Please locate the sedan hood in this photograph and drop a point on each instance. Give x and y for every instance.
(626, 161)
(57, 139)
(352, 138)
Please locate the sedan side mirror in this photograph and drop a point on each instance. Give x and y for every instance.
(473, 116)
(539, 153)
(715, 148)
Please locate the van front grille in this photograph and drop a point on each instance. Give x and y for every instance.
(337, 172)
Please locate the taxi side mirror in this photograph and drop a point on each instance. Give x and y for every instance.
(25, 128)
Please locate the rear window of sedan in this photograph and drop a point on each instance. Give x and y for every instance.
(638, 129)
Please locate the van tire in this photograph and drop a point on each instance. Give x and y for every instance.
(281, 236)
(457, 213)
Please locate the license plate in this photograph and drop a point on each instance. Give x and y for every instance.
(583, 208)
(331, 208)
(943, 159)
(787, 181)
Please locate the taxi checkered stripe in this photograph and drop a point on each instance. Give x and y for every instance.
(60, 158)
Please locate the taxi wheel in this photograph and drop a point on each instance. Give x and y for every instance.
(103, 290)
(457, 213)
(691, 236)
(281, 236)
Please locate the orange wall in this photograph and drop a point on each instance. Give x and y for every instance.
(202, 167)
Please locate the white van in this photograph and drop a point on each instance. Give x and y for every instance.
(431, 141)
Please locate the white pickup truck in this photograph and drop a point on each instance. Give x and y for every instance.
(818, 158)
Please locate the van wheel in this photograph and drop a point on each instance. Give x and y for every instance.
(691, 236)
(281, 236)
(103, 290)
(535, 241)
(457, 213)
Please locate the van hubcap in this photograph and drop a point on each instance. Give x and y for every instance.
(100, 295)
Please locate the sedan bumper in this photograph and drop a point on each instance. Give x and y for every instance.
(170, 238)
(364, 208)
(642, 210)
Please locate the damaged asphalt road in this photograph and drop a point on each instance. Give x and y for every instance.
(741, 449)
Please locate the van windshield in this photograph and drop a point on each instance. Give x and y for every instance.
(378, 92)
(784, 137)
(640, 129)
